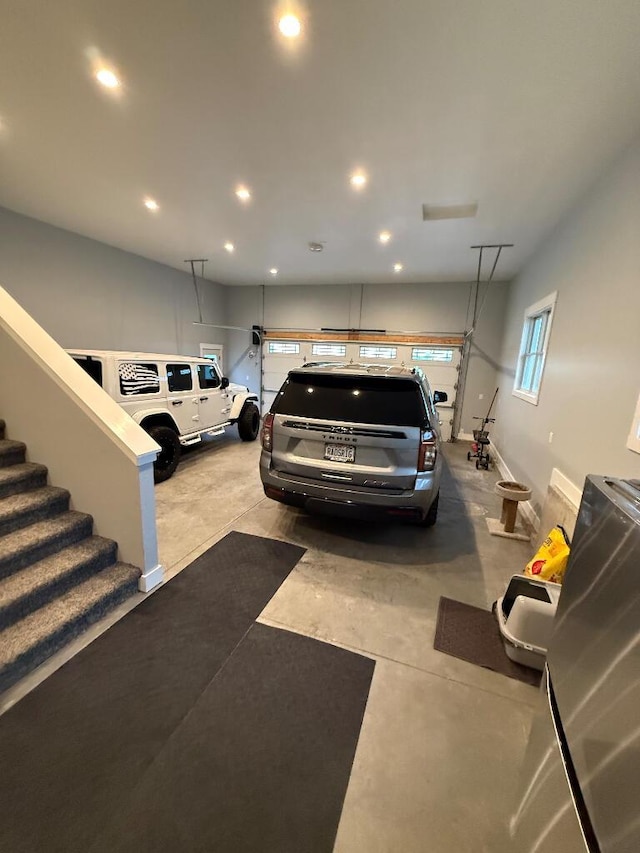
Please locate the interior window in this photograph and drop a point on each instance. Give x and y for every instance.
(208, 376)
(136, 378)
(179, 377)
(533, 349)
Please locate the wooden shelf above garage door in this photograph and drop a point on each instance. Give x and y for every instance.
(365, 337)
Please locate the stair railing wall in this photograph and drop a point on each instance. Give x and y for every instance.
(90, 445)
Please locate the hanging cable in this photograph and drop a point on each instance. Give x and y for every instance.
(194, 261)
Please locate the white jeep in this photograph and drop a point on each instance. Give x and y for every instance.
(176, 398)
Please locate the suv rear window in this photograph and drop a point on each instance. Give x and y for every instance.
(357, 399)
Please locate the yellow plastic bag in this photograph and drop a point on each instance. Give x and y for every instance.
(550, 559)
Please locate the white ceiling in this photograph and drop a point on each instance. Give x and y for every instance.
(515, 104)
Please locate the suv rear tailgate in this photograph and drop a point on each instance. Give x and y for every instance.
(376, 456)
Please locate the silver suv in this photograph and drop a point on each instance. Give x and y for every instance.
(357, 440)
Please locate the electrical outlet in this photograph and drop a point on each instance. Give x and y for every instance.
(550, 437)
(480, 396)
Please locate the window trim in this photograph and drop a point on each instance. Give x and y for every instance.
(542, 306)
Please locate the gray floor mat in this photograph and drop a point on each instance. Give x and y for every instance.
(472, 634)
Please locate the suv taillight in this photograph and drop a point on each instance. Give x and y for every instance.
(427, 453)
(267, 432)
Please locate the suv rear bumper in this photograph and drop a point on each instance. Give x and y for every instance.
(412, 505)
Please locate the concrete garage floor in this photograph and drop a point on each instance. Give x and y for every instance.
(436, 768)
(437, 761)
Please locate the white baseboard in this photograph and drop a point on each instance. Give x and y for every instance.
(566, 487)
(528, 511)
(151, 579)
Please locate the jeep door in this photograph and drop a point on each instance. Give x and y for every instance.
(182, 397)
(214, 404)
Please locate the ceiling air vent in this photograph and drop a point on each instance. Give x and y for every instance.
(431, 212)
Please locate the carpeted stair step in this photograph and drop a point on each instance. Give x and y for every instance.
(40, 540)
(22, 478)
(11, 452)
(32, 640)
(33, 587)
(18, 511)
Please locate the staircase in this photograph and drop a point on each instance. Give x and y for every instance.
(56, 578)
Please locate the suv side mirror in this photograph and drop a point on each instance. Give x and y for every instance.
(440, 396)
(224, 383)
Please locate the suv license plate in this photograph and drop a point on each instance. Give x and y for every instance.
(340, 452)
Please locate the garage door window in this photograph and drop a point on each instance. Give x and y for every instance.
(179, 377)
(283, 348)
(136, 378)
(533, 349)
(378, 352)
(424, 354)
(329, 349)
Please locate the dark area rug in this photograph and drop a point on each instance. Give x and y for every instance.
(262, 762)
(472, 634)
(73, 751)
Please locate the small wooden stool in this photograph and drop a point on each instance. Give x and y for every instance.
(511, 493)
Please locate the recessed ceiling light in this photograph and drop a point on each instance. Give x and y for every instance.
(243, 194)
(384, 236)
(358, 180)
(151, 204)
(107, 78)
(290, 26)
(398, 267)
(273, 271)
(229, 247)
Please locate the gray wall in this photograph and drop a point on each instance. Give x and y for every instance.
(397, 307)
(90, 295)
(87, 294)
(592, 375)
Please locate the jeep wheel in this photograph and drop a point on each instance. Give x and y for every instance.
(249, 422)
(169, 456)
(431, 517)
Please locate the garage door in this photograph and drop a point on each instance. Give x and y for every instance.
(440, 363)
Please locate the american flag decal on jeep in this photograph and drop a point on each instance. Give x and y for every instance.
(138, 378)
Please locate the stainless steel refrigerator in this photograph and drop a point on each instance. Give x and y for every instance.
(580, 786)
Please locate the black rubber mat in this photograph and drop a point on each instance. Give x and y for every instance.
(262, 762)
(472, 634)
(73, 750)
